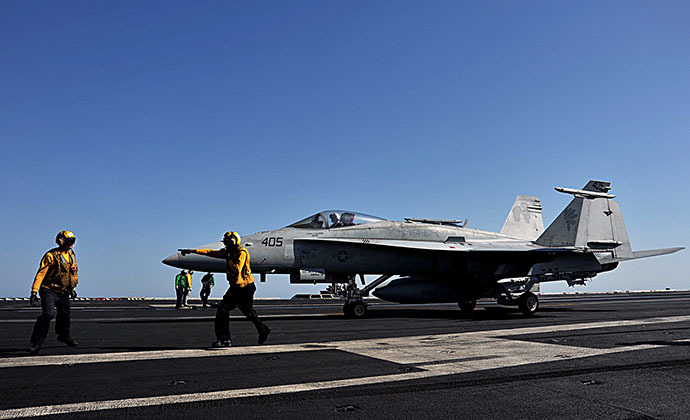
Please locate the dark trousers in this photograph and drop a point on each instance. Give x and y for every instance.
(182, 294)
(205, 292)
(50, 301)
(243, 298)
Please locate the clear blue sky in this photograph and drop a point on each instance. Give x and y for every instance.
(145, 126)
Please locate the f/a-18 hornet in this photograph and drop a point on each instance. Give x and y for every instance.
(435, 261)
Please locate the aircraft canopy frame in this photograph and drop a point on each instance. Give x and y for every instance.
(330, 219)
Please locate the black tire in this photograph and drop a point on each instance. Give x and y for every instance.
(358, 309)
(467, 306)
(528, 303)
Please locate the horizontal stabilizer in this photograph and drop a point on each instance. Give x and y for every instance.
(653, 253)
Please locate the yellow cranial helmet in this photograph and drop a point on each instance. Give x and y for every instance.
(231, 238)
(65, 238)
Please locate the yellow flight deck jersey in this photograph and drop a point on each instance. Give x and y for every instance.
(189, 280)
(58, 271)
(238, 274)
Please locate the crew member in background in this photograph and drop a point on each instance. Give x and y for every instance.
(180, 285)
(207, 282)
(241, 291)
(55, 283)
(188, 288)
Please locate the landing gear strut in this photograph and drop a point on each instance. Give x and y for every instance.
(355, 307)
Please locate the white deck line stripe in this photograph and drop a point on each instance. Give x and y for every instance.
(210, 317)
(333, 345)
(514, 358)
(443, 349)
(198, 397)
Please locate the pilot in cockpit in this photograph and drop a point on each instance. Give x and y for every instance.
(316, 222)
(335, 220)
(347, 219)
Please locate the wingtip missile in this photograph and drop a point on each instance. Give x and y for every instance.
(583, 193)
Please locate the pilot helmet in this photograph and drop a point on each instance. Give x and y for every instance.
(65, 238)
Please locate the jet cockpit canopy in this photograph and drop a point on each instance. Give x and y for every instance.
(329, 219)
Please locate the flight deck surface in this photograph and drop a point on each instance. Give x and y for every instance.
(622, 356)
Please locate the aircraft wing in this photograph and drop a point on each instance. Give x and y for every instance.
(474, 246)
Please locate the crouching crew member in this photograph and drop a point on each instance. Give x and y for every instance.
(55, 283)
(207, 282)
(241, 291)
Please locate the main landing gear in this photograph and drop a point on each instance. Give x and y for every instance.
(354, 306)
(527, 302)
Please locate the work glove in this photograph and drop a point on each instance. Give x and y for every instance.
(34, 299)
(185, 251)
(73, 294)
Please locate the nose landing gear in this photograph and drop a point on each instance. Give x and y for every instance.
(355, 309)
(354, 306)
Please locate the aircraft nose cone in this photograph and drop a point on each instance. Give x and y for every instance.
(172, 260)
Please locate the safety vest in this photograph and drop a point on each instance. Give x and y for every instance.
(181, 281)
(60, 276)
(235, 277)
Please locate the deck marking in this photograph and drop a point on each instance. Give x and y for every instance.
(435, 355)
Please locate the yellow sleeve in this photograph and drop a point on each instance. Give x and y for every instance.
(73, 262)
(46, 262)
(215, 253)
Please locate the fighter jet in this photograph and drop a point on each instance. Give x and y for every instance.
(442, 261)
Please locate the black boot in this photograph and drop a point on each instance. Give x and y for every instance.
(67, 340)
(263, 334)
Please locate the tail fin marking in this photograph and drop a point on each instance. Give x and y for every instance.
(589, 221)
(524, 220)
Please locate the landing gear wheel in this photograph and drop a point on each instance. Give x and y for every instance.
(528, 303)
(356, 309)
(467, 306)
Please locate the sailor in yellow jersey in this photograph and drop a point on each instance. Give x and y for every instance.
(241, 291)
(188, 288)
(55, 283)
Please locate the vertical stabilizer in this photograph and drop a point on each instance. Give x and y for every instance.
(591, 220)
(524, 220)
